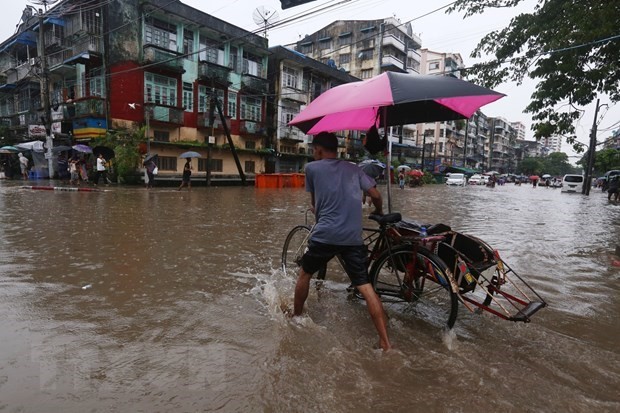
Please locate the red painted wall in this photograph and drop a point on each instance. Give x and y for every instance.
(127, 86)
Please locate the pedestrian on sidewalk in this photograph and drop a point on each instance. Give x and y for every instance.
(187, 174)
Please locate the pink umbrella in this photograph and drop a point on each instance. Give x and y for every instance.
(404, 98)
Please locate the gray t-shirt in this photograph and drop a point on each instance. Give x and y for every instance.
(337, 186)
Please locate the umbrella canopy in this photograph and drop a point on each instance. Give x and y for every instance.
(415, 172)
(534, 177)
(372, 167)
(36, 146)
(190, 154)
(407, 98)
(83, 148)
(9, 149)
(491, 173)
(151, 157)
(61, 148)
(107, 153)
(545, 176)
(403, 168)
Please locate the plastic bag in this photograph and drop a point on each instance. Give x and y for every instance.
(155, 171)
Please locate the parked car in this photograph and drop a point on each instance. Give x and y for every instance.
(572, 183)
(484, 179)
(456, 180)
(476, 179)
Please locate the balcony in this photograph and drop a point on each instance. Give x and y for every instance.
(391, 40)
(17, 73)
(203, 122)
(90, 107)
(250, 127)
(294, 95)
(254, 84)
(291, 134)
(82, 49)
(212, 72)
(162, 58)
(165, 114)
(390, 61)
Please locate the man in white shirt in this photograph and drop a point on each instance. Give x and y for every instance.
(101, 169)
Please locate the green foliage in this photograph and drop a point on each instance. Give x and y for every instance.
(570, 46)
(555, 164)
(126, 153)
(604, 160)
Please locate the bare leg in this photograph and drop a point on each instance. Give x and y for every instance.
(301, 291)
(375, 309)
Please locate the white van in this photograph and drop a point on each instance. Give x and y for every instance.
(572, 183)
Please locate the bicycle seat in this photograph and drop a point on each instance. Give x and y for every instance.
(387, 218)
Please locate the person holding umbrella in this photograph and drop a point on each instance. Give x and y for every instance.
(151, 170)
(101, 169)
(187, 173)
(336, 188)
(23, 164)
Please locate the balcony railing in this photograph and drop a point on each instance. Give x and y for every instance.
(82, 46)
(91, 106)
(294, 95)
(391, 40)
(154, 55)
(250, 127)
(165, 114)
(291, 134)
(213, 72)
(17, 73)
(203, 122)
(255, 84)
(390, 60)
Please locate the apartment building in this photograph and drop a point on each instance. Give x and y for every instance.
(367, 48)
(296, 80)
(120, 65)
(501, 145)
(447, 138)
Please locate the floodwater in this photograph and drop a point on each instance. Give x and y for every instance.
(162, 301)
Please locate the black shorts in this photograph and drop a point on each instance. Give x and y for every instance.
(354, 257)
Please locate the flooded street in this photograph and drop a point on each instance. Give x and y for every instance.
(163, 301)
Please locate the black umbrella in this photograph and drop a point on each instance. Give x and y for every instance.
(151, 157)
(372, 167)
(107, 153)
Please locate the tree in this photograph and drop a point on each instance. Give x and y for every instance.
(557, 164)
(604, 160)
(531, 166)
(570, 46)
(126, 150)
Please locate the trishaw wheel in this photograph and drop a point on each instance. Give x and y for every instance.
(432, 296)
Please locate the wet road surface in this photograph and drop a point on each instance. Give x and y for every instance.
(165, 301)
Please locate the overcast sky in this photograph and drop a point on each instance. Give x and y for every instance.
(438, 31)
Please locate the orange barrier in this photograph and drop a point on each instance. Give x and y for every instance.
(280, 181)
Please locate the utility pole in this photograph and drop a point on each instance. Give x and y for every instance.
(591, 153)
(45, 98)
(212, 122)
(423, 149)
(465, 145)
(147, 115)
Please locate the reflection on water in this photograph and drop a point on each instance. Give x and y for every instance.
(134, 300)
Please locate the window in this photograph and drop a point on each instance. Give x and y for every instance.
(250, 145)
(232, 105)
(188, 97)
(167, 163)
(325, 44)
(251, 108)
(368, 44)
(161, 34)
(433, 66)
(161, 136)
(366, 73)
(344, 39)
(252, 64)
(289, 77)
(216, 165)
(188, 44)
(211, 51)
(345, 58)
(96, 83)
(287, 116)
(204, 98)
(159, 89)
(233, 59)
(250, 166)
(366, 55)
(306, 48)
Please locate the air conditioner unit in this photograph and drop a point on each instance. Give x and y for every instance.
(33, 61)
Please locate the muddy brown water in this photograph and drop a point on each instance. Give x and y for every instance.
(162, 301)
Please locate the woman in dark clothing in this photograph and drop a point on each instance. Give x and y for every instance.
(187, 173)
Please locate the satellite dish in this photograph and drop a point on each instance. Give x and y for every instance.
(264, 17)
